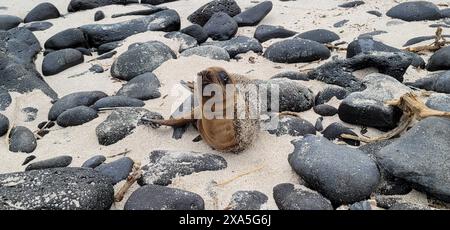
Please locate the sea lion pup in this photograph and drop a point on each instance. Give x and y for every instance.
(220, 130)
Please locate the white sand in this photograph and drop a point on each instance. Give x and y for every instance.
(268, 154)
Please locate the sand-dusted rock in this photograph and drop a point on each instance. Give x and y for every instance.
(30, 113)
(415, 11)
(163, 166)
(69, 38)
(319, 35)
(136, 60)
(143, 87)
(296, 50)
(117, 170)
(204, 13)
(239, 45)
(292, 75)
(186, 41)
(9, 21)
(56, 162)
(293, 126)
(247, 200)
(155, 197)
(98, 34)
(368, 107)
(221, 27)
(56, 189)
(439, 101)
(342, 174)
(94, 161)
(439, 60)
(86, 98)
(21, 139)
(58, 61)
(38, 26)
(197, 32)
(42, 12)
(254, 15)
(78, 5)
(4, 124)
(298, 197)
(367, 44)
(293, 96)
(421, 157)
(76, 116)
(117, 101)
(208, 51)
(266, 32)
(120, 123)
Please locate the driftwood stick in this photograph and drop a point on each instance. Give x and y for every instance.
(412, 108)
(438, 43)
(133, 177)
(239, 176)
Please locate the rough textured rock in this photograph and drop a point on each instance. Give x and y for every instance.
(60, 60)
(293, 126)
(76, 116)
(439, 102)
(117, 170)
(329, 92)
(290, 197)
(197, 32)
(415, 11)
(9, 21)
(143, 87)
(18, 49)
(21, 139)
(367, 44)
(292, 75)
(254, 15)
(421, 157)
(247, 200)
(163, 166)
(86, 98)
(120, 123)
(42, 12)
(78, 5)
(155, 197)
(319, 35)
(208, 51)
(221, 27)
(5, 99)
(204, 13)
(296, 50)
(439, 60)
(56, 162)
(368, 107)
(135, 61)
(69, 38)
(56, 189)
(117, 101)
(342, 174)
(4, 124)
(98, 34)
(293, 96)
(239, 45)
(266, 32)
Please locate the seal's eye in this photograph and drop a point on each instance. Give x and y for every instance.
(223, 76)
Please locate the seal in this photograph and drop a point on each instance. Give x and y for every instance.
(217, 128)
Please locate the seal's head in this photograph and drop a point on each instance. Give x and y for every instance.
(214, 75)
